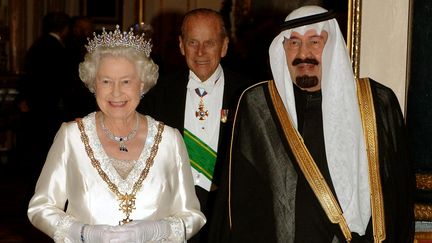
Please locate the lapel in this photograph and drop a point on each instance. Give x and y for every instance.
(182, 87)
(230, 91)
(175, 100)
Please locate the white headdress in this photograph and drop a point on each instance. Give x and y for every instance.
(343, 134)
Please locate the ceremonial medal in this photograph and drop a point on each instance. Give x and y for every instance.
(201, 113)
(224, 115)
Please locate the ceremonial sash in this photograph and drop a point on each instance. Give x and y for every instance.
(201, 156)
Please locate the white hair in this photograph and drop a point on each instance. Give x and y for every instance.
(146, 68)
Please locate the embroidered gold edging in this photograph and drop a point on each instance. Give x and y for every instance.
(308, 166)
(127, 201)
(367, 112)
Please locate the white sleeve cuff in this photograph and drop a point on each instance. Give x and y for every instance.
(178, 231)
(63, 227)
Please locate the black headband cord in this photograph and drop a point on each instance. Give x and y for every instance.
(307, 20)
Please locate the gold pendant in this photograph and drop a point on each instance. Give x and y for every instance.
(127, 204)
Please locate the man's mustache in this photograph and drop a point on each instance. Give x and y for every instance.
(307, 61)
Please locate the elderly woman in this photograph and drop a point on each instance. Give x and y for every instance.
(117, 175)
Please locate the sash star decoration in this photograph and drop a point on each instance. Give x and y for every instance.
(117, 38)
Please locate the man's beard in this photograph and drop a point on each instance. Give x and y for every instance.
(305, 81)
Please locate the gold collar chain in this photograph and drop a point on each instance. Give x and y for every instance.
(127, 200)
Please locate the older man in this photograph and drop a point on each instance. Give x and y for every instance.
(200, 101)
(316, 156)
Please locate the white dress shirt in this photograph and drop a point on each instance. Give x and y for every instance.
(208, 129)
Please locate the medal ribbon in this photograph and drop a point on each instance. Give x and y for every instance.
(199, 93)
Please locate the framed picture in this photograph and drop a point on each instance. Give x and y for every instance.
(104, 13)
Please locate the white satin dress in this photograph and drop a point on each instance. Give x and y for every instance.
(69, 176)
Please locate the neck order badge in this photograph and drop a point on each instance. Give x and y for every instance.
(201, 113)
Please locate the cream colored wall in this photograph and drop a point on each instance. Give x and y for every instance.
(384, 44)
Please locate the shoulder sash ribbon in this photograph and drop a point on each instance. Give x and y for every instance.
(367, 111)
(201, 156)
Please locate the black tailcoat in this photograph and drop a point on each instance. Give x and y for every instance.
(166, 102)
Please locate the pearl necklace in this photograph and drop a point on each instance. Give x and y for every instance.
(121, 140)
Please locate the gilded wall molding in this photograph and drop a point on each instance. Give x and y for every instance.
(354, 34)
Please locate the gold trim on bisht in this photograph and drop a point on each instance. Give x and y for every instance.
(127, 200)
(308, 165)
(367, 111)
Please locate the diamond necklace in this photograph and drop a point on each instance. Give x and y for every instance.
(121, 140)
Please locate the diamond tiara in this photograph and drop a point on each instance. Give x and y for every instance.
(117, 38)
